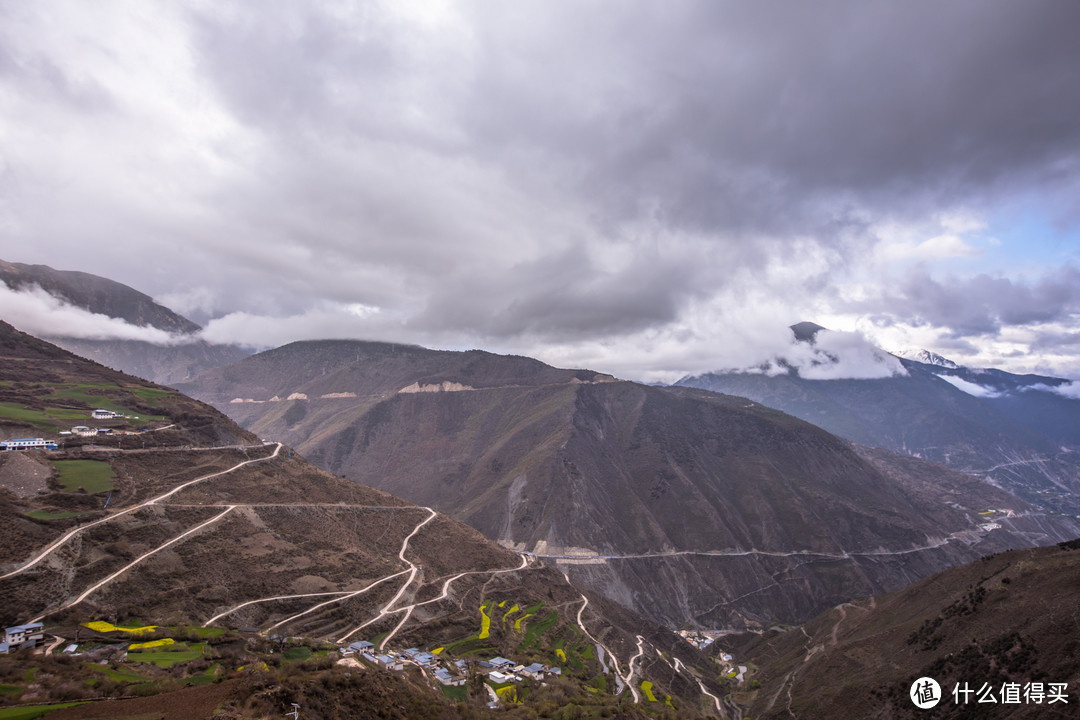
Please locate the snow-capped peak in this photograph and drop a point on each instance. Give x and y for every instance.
(927, 357)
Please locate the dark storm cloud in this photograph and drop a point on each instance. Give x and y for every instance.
(492, 173)
(984, 304)
(736, 115)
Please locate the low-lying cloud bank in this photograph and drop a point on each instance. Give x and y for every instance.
(971, 388)
(35, 311)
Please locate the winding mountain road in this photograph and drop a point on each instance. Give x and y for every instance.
(51, 547)
(135, 562)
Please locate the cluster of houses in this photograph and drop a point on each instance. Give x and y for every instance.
(700, 639)
(78, 430)
(498, 670)
(99, 414)
(22, 636)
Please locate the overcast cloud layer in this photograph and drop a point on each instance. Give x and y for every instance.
(648, 189)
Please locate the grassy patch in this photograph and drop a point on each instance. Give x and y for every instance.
(67, 413)
(297, 653)
(164, 659)
(151, 395)
(50, 515)
(536, 628)
(13, 411)
(94, 476)
(36, 711)
(84, 393)
(122, 675)
(455, 646)
(486, 651)
(459, 692)
(10, 689)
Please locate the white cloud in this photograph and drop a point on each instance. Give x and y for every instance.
(838, 355)
(969, 387)
(38, 313)
(1070, 390)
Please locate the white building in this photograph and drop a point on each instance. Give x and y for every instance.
(27, 444)
(390, 663)
(100, 414)
(20, 634)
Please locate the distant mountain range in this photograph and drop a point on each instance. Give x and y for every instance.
(1020, 432)
(178, 361)
(690, 507)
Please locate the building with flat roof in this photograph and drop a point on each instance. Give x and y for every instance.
(27, 444)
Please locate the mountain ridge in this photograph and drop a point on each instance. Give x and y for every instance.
(618, 483)
(1016, 430)
(184, 358)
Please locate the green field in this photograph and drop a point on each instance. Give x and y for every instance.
(29, 713)
(151, 395)
(297, 653)
(537, 628)
(49, 515)
(167, 658)
(121, 674)
(14, 411)
(94, 476)
(85, 393)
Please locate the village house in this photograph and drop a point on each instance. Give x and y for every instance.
(420, 657)
(390, 663)
(499, 677)
(100, 414)
(24, 635)
(534, 671)
(446, 678)
(360, 647)
(501, 663)
(84, 431)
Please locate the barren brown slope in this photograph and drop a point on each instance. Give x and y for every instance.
(692, 507)
(1007, 618)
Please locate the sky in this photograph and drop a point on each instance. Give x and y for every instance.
(643, 188)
